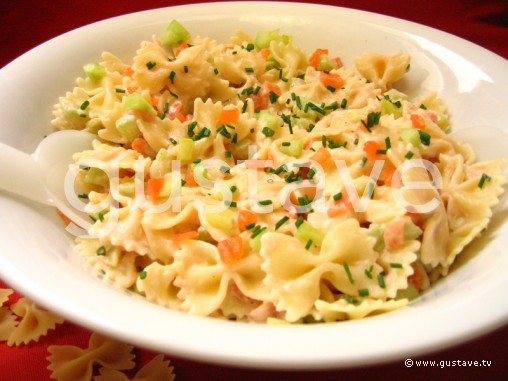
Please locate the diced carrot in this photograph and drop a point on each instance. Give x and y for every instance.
(260, 101)
(322, 156)
(417, 279)
(177, 238)
(265, 53)
(180, 117)
(154, 101)
(333, 80)
(190, 181)
(393, 234)
(417, 218)
(418, 121)
(153, 188)
(231, 249)
(184, 45)
(271, 87)
(131, 90)
(387, 173)
(338, 61)
(340, 206)
(316, 56)
(371, 149)
(246, 217)
(228, 116)
(128, 72)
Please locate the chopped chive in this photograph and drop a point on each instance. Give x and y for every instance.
(235, 138)
(331, 89)
(363, 292)
(309, 244)
(311, 127)
(265, 202)
(281, 222)
(183, 182)
(190, 129)
(356, 141)
(230, 203)
(83, 196)
(311, 173)
(258, 232)
(350, 299)
(142, 275)
(286, 144)
(216, 71)
(150, 65)
(424, 138)
(227, 154)
(203, 133)
(84, 105)
(396, 265)
(165, 110)
(368, 272)
(224, 169)
(323, 141)
(172, 76)
(101, 217)
(268, 132)
(101, 251)
(343, 103)
(173, 94)
(348, 272)
(233, 188)
(249, 47)
(381, 281)
(122, 91)
(363, 162)
(250, 226)
(299, 221)
(409, 155)
(244, 107)
(483, 179)
(273, 97)
(249, 70)
(423, 107)
(337, 196)
(186, 69)
(173, 141)
(388, 143)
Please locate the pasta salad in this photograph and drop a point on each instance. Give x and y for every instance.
(252, 181)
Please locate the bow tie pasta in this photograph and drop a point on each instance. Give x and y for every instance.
(249, 180)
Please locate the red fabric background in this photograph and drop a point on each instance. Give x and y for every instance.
(25, 24)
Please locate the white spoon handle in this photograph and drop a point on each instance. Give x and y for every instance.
(20, 174)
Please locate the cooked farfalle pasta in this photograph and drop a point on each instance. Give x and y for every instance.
(70, 363)
(157, 369)
(35, 322)
(249, 180)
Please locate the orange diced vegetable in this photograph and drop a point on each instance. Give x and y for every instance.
(228, 116)
(387, 173)
(178, 115)
(418, 121)
(231, 249)
(154, 101)
(154, 187)
(271, 87)
(341, 205)
(177, 238)
(315, 57)
(128, 72)
(371, 149)
(322, 156)
(265, 53)
(393, 234)
(140, 145)
(246, 217)
(190, 181)
(260, 101)
(333, 80)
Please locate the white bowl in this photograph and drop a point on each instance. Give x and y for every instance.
(35, 254)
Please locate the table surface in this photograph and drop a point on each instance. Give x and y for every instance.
(26, 24)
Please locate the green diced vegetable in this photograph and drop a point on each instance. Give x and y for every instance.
(264, 38)
(376, 231)
(94, 71)
(410, 135)
(255, 242)
(138, 102)
(175, 34)
(390, 108)
(185, 149)
(306, 232)
(267, 119)
(96, 176)
(325, 64)
(128, 127)
(294, 148)
(411, 231)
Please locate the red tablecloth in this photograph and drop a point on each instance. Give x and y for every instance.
(25, 24)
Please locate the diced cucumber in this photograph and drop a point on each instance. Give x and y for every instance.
(390, 108)
(409, 293)
(185, 149)
(221, 220)
(306, 232)
(305, 111)
(96, 176)
(94, 71)
(175, 33)
(443, 123)
(292, 147)
(410, 135)
(128, 127)
(395, 95)
(127, 188)
(255, 243)
(411, 231)
(267, 119)
(376, 231)
(138, 102)
(325, 64)
(263, 38)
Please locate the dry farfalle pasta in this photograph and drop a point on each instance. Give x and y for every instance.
(71, 363)
(157, 369)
